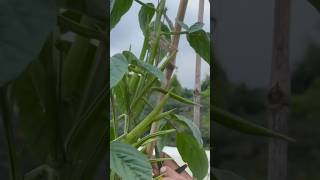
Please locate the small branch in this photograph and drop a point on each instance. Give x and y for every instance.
(175, 33)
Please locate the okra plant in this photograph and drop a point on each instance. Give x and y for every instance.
(133, 80)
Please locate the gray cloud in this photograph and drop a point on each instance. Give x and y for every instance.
(244, 32)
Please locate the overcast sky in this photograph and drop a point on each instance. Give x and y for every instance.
(128, 32)
(244, 33)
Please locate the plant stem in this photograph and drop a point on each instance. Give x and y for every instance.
(126, 124)
(141, 127)
(144, 48)
(114, 119)
(175, 33)
(155, 46)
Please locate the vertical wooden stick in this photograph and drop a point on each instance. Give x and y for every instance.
(279, 92)
(170, 68)
(197, 83)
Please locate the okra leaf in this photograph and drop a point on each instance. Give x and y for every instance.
(128, 162)
(220, 174)
(146, 14)
(152, 69)
(237, 123)
(193, 154)
(200, 42)
(119, 8)
(118, 67)
(25, 26)
(190, 126)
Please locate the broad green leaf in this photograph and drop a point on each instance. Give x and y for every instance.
(220, 174)
(130, 57)
(152, 69)
(316, 4)
(118, 67)
(128, 162)
(200, 42)
(196, 27)
(193, 154)
(237, 123)
(183, 25)
(120, 7)
(146, 14)
(25, 26)
(191, 127)
(164, 28)
(147, 67)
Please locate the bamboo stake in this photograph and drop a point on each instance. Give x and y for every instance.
(279, 92)
(170, 68)
(197, 83)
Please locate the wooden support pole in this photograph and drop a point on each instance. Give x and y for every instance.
(197, 82)
(279, 91)
(170, 68)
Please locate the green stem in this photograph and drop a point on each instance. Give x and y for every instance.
(155, 46)
(126, 124)
(142, 126)
(175, 33)
(114, 119)
(144, 48)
